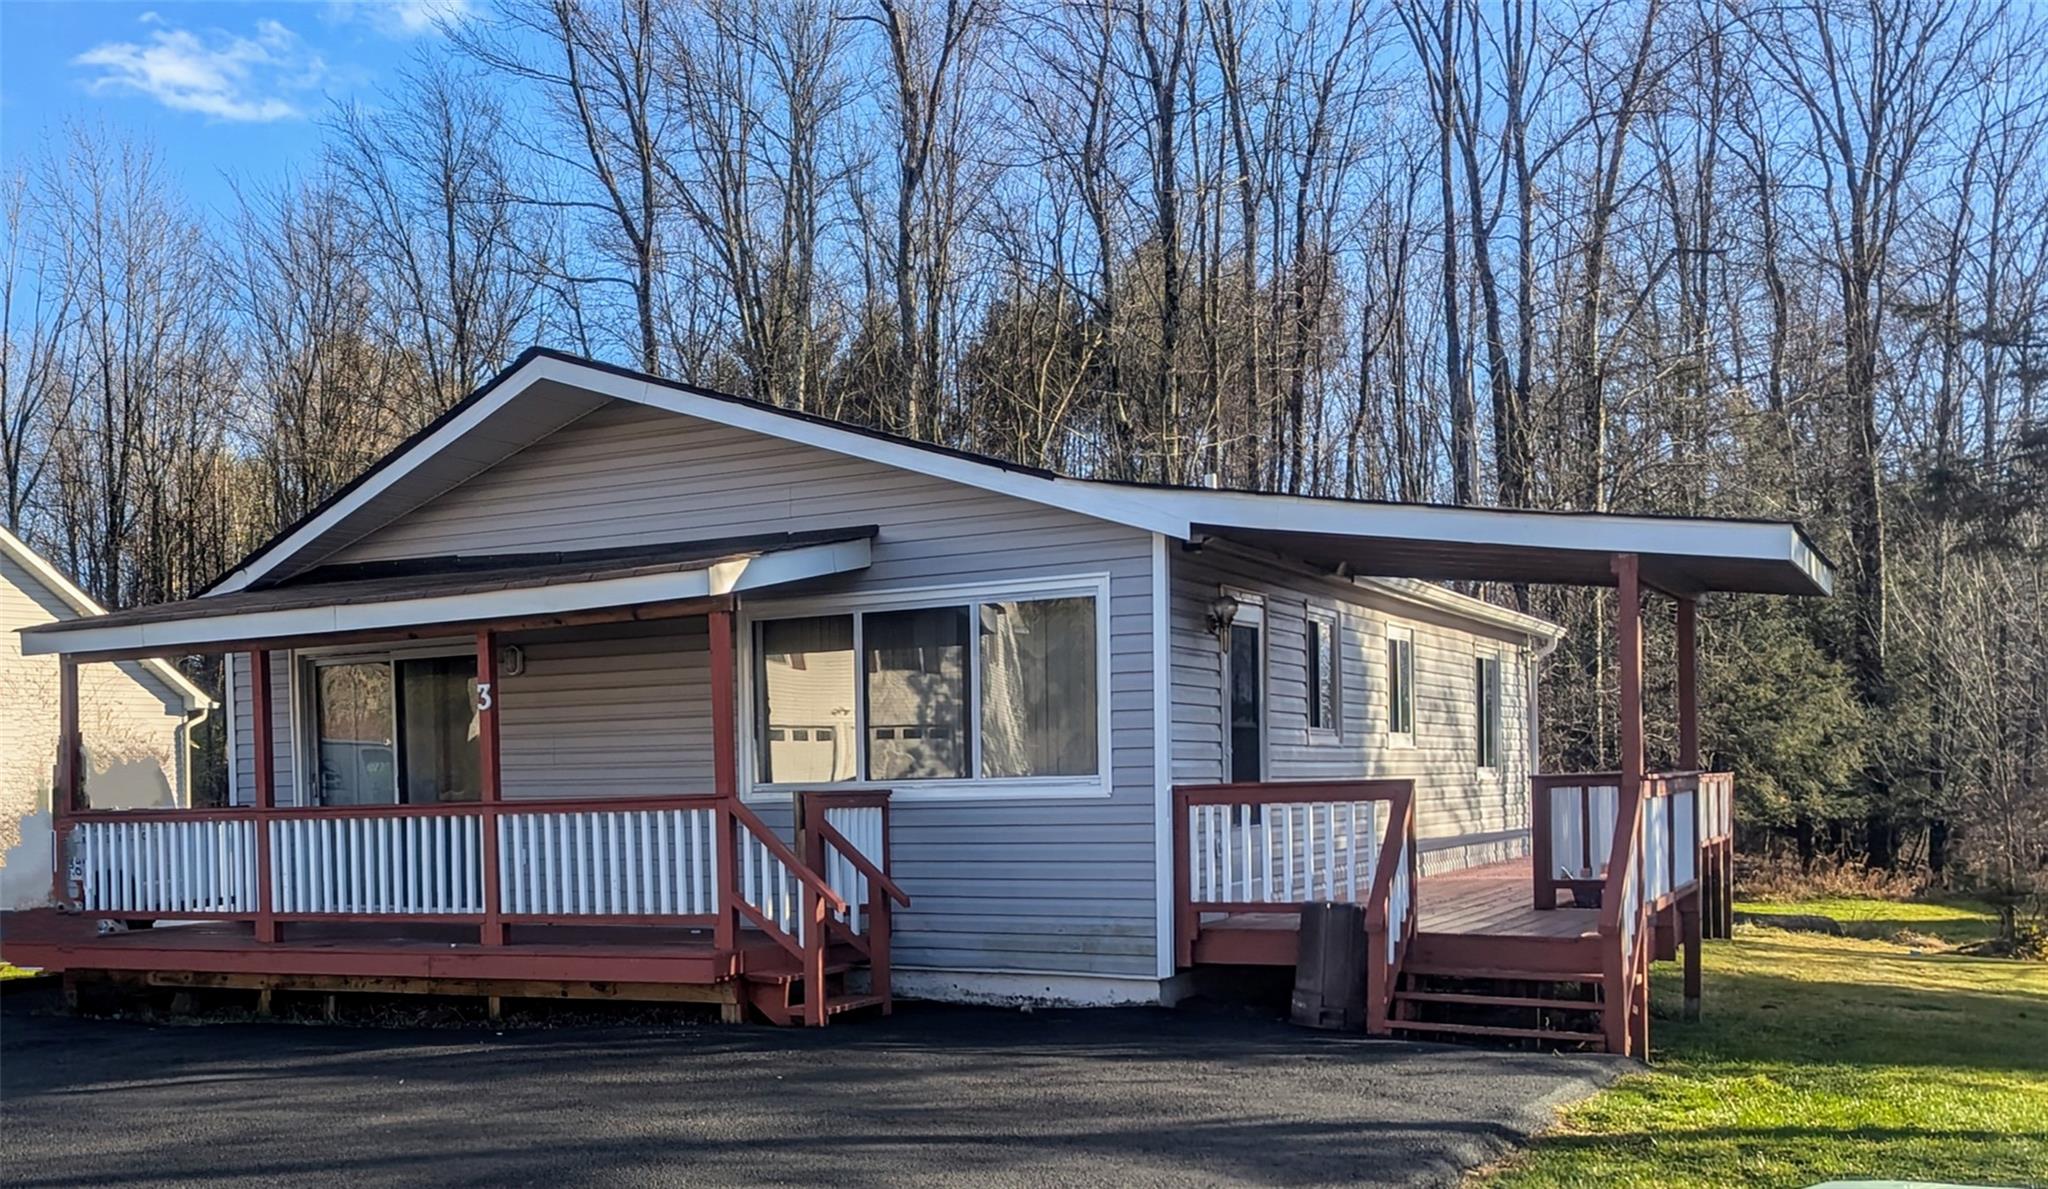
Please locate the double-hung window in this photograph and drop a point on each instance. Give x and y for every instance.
(1487, 687)
(974, 690)
(394, 730)
(1401, 684)
(1323, 704)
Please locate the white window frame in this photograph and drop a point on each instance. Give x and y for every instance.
(1402, 632)
(1251, 613)
(972, 788)
(1313, 614)
(1498, 744)
(305, 747)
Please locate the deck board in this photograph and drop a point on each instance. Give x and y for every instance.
(54, 941)
(1494, 901)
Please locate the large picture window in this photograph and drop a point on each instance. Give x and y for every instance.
(396, 730)
(988, 689)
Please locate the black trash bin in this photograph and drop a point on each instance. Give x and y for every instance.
(1329, 974)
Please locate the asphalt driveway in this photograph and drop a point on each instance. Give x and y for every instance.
(933, 1096)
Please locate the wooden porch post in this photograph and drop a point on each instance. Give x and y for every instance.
(1628, 637)
(491, 792)
(1688, 686)
(265, 792)
(724, 774)
(66, 785)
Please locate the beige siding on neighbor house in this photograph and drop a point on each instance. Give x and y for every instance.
(131, 723)
(1064, 885)
(1464, 814)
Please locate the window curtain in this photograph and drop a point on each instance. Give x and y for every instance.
(439, 730)
(805, 681)
(1038, 695)
(917, 709)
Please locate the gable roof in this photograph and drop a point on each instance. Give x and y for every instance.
(83, 606)
(544, 390)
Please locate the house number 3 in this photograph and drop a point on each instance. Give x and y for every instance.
(483, 695)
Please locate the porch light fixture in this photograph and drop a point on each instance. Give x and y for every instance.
(1222, 613)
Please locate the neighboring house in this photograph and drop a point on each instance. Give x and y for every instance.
(136, 718)
(582, 588)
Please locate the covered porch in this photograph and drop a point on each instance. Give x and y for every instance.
(369, 880)
(1624, 867)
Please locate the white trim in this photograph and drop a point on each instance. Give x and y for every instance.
(970, 789)
(1162, 756)
(1400, 631)
(717, 578)
(1169, 511)
(57, 584)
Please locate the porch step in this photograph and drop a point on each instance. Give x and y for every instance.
(1585, 1005)
(838, 1004)
(1432, 970)
(779, 976)
(1573, 1037)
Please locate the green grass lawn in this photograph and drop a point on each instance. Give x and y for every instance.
(1823, 1058)
(1957, 922)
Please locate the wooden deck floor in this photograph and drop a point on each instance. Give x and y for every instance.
(54, 941)
(1481, 902)
(1494, 901)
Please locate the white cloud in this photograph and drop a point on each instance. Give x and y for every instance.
(218, 74)
(402, 18)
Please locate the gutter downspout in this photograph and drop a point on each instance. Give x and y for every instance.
(191, 724)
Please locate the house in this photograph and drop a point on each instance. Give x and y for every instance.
(840, 714)
(136, 720)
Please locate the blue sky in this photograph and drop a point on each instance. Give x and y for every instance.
(223, 87)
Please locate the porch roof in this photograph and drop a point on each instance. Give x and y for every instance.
(448, 591)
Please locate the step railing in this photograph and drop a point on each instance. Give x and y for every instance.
(1272, 847)
(845, 836)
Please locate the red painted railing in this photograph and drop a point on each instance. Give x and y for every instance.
(1274, 846)
(693, 861)
(1574, 823)
(1634, 854)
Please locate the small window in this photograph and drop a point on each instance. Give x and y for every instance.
(1322, 671)
(1401, 683)
(1488, 693)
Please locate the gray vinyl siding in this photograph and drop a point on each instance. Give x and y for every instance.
(1463, 815)
(1065, 886)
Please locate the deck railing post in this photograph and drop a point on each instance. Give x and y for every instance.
(1541, 863)
(487, 697)
(725, 774)
(264, 789)
(1186, 921)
